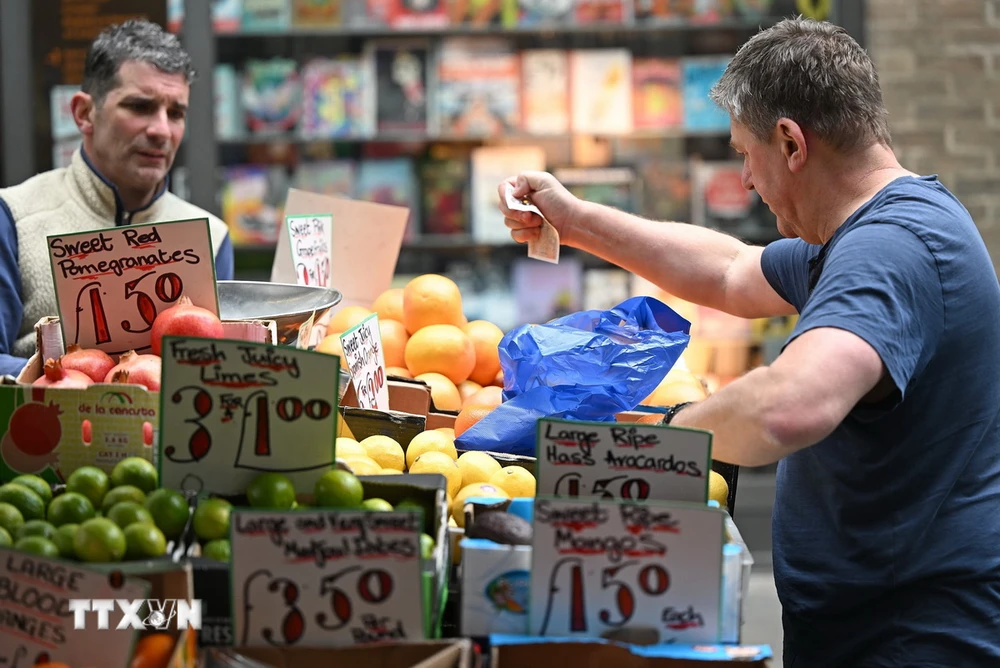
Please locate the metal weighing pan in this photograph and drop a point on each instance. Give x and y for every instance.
(290, 306)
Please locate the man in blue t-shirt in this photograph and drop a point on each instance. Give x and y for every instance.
(883, 409)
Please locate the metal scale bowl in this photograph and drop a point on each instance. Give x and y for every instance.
(289, 306)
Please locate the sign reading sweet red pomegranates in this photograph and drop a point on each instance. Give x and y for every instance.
(112, 283)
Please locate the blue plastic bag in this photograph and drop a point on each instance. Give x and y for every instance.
(585, 366)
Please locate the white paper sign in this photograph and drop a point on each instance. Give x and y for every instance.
(649, 569)
(546, 247)
(621, 460)
(111, 283)
(326, 578)
(309, 238)
(362, 346)
(232, 409)
(36, 622)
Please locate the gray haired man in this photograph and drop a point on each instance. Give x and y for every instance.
(131, 112)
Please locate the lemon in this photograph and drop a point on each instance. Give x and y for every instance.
(477, 467)
(447, 431)
(439, 462)
(515, 480)
(363, 466)
(478, 489)
(386, 452)
(430, 441)
(348, 447)
(718, 488)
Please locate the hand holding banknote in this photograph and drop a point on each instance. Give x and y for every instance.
(537, 209)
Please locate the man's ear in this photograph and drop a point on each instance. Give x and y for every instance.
(792, 140)
(83, 108)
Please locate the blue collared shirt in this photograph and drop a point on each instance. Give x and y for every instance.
(11, 302)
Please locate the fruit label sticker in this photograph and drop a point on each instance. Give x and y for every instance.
(38, 624)
(620, 460)
(231, 410)
(362, 346)
(111, 283)
(326, 578)
(52, 432)
(309, 238)
(637, 573)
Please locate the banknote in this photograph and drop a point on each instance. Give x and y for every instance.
(546, 247)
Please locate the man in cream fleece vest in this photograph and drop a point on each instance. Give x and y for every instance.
(131, 114)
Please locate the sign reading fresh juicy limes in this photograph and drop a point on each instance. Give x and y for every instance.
(620, 460)
(231, 410)
(326, 578)
(362, 346)
(111, 283)
(650, 573)
(37, 622)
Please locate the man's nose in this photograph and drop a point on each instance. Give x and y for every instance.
(747, 178)
(159, 126)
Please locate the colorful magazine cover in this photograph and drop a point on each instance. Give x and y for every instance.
(400, 98)
(541, 12)
(333, 98)
(601, 85)
(545, 91)
(483, 13)
(252, 203)
(445, 189)
(316, 13)
(602, 11)
(700, 112)
(326, 177)
(260, 15)
(656, 88)
(478, 87)
(391, 181)
(663, 11)
(410, 14)
(272, 95)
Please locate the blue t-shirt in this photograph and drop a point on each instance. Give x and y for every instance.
(887, 533)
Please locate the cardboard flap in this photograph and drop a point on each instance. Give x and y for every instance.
(401, 427)
(365, 240)
(429, 654)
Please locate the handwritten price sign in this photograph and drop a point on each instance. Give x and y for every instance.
(363, 349)
(112, 283)
(649, 569)
(39, 625)
(326, 578)
(232, 409)
(310, 246)
(624, 461)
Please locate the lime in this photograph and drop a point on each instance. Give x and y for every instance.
(426, 546)
(271, 490)
(217, 549)
(124, 493)
(338, 489)
(170, 511)
(11, 518)
(144, 541)
(99, 540)
(36, 528)
(36, 485)
(211, 519)
(5, 539)
(90, 481)
(31, 505)
(128, 512)
(63, 538)
(137, 472)
(70, 508)
(43, 547)
(377, 505)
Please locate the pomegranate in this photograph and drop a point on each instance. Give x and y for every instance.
(136, 369)
(185, 319)
(95, 363)
(35, 428)
(59, 377)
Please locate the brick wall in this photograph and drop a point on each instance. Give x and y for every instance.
(939, 64)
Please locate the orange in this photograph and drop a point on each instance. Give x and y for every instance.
(153, 651)
(394, 338)
(443, 349)
(444, 394)
(331, 346)
(389, 305)
(470, 415)
(467, 388)
(399, 371)
(431, 299)
(347, 317)
(498, 381)
(485, 338)
(491, 395)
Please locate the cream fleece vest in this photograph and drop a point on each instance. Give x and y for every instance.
(66, 200)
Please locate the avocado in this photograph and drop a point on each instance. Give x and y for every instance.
(500, 527)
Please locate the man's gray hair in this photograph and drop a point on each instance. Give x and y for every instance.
(812, 72)
(134, 40)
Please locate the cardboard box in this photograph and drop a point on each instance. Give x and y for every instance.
(429, 654)
(53, 432)
(527, 652)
